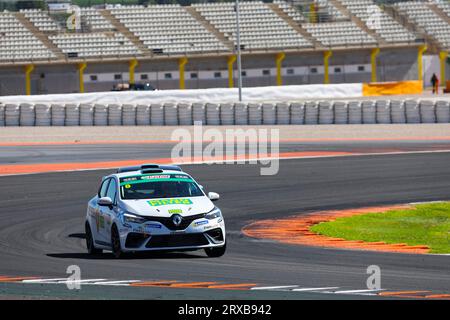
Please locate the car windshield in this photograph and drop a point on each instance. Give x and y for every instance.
(155, 186)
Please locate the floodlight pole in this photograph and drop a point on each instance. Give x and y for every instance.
(238, 44)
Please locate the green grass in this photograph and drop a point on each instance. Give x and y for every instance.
(427, 224)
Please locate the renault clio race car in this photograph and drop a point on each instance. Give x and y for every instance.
(153, 207)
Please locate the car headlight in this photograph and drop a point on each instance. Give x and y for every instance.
(131, 218)
(213, 214)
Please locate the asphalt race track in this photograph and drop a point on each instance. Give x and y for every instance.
(42, 216)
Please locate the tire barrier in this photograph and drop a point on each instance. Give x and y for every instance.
(27, 117)
(283, 114)
(326, 113)
(412, 111)
(2, 115)
(398, 111)
(297, 113)
(43, 116)
(226, 114)
(354, 112)
(129, 115)
(86, 114)
(254, 114)
(115, 115)
(369, 114)
(157, 114)
(341, 112)
(185, 114)
(241, 114)
(142, 115)
(311, 113)
(100, 115)
(199, 112)
(58, 114)
(172, 114)
(212, 114)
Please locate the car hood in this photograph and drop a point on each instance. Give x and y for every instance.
(168, 206)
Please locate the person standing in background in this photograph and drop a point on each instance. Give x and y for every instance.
(435, 83)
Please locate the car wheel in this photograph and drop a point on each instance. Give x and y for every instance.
(90, 241)
(115, 242)
(216, 252)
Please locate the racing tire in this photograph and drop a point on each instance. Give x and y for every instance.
(216, 252)
(90, 241)
(115, 243)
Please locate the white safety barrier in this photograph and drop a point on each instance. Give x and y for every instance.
(211, 113)
(212, 95)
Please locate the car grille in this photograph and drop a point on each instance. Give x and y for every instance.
(168, 223)
(135, 240)
(177, 240)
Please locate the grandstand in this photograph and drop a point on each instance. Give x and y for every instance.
(193, 46)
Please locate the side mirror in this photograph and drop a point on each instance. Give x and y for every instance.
(200, 186)
(105, 202)
(213, 196)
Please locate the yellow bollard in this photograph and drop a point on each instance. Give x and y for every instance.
(131, 67)
(181, 64)
(279, 60)
(420, 53)
(443, 61)
(373, 61)
(230, 62)
(81, 67)
(326, 63)
(28, 70)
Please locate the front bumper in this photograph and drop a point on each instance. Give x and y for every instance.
(152, 236)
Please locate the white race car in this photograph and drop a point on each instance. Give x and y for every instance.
(153, 207)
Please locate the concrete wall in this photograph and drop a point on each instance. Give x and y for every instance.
(298, 68)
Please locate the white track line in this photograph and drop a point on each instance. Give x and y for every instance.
(86, 281)
(275, 288)
(116, 283)
(314, 289)
(363, 291)
(55, 280)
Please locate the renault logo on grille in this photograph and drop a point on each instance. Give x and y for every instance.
(176, 219)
